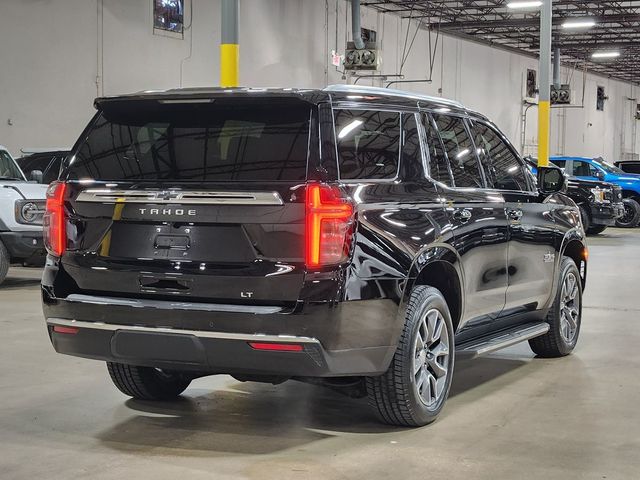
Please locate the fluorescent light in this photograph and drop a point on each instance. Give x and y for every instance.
(463, 153)
(515, 5)
(349, 128)
(585, 23)
(605, 55)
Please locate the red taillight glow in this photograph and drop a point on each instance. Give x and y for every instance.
(276, 347)
(55, 232)
(67, 330)
(328, 222)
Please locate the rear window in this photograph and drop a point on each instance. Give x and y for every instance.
(241, 141)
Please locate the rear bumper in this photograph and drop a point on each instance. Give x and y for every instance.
(606, 214)
(24, 246)
(211, 338)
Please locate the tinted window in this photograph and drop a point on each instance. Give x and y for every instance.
(223, 141)
(53, 170)
(502, 167)
(48, 164)
(560, 163)
(630, 167)
(368, 144)
(411, 152)
(438, 163)
(460, 151)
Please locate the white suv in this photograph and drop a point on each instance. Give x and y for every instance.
(21, 210)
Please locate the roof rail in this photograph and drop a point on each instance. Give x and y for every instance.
(391, 92)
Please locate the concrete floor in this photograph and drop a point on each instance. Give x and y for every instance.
(510, 416)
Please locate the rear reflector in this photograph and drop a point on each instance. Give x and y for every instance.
(67, 330)
(277, 347)
(329, 217)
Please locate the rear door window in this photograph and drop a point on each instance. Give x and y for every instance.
(221, 141)
(438, 163)
(368, 144)
(502, 167)
(460, 152)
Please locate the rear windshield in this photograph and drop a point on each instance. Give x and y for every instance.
(150, 141)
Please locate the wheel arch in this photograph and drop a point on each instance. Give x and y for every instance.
(439, 267)
(626, 193)
(575, 248)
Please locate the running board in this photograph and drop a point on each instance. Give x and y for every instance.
(500, 340)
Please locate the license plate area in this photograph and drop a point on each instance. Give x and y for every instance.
(161, 347)
(226, 243)
(175, 242)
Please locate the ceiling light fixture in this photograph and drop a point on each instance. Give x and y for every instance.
(605, 55)
(522, 5)
(585, 23)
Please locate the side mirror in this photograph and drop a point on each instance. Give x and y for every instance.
(36, 176)
(599, 174)
(550, 180)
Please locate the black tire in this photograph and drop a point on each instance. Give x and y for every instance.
(631, 216)
(4, 262)
(557, 342)
(596, 229)
(394, 395)
(585, 217)
(146, 383)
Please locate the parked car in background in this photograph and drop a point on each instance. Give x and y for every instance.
(628, 166)
(597, 169)
(42, 167)
(346, 236)
(22, 206)
(600, 203)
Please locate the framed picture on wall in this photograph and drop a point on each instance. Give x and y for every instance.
(168, 17)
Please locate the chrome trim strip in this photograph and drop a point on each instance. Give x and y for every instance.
(171, 305)
(106, 195)
(257, 337)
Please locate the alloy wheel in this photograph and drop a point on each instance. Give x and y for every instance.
(431, 358)
(569, 308)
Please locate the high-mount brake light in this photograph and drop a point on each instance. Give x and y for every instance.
(329, 217)
(55, 231)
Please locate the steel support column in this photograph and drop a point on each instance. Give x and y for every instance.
(229, 48)
(544, 102)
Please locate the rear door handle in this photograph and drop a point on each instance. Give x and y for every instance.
(462, 215)
(514, 214)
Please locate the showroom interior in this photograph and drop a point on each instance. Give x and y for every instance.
(555, 82)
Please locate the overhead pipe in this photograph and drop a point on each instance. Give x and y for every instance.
(355, 24)
(556, 68)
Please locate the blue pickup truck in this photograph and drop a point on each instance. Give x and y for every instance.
(597, 169)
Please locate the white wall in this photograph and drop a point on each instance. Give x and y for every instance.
(57, 55)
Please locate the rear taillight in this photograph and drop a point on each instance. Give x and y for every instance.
(55, 231)
(329, 219)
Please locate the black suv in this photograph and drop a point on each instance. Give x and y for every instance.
(628, 166)
(355, 237)
(43, 167)
(600, 203)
